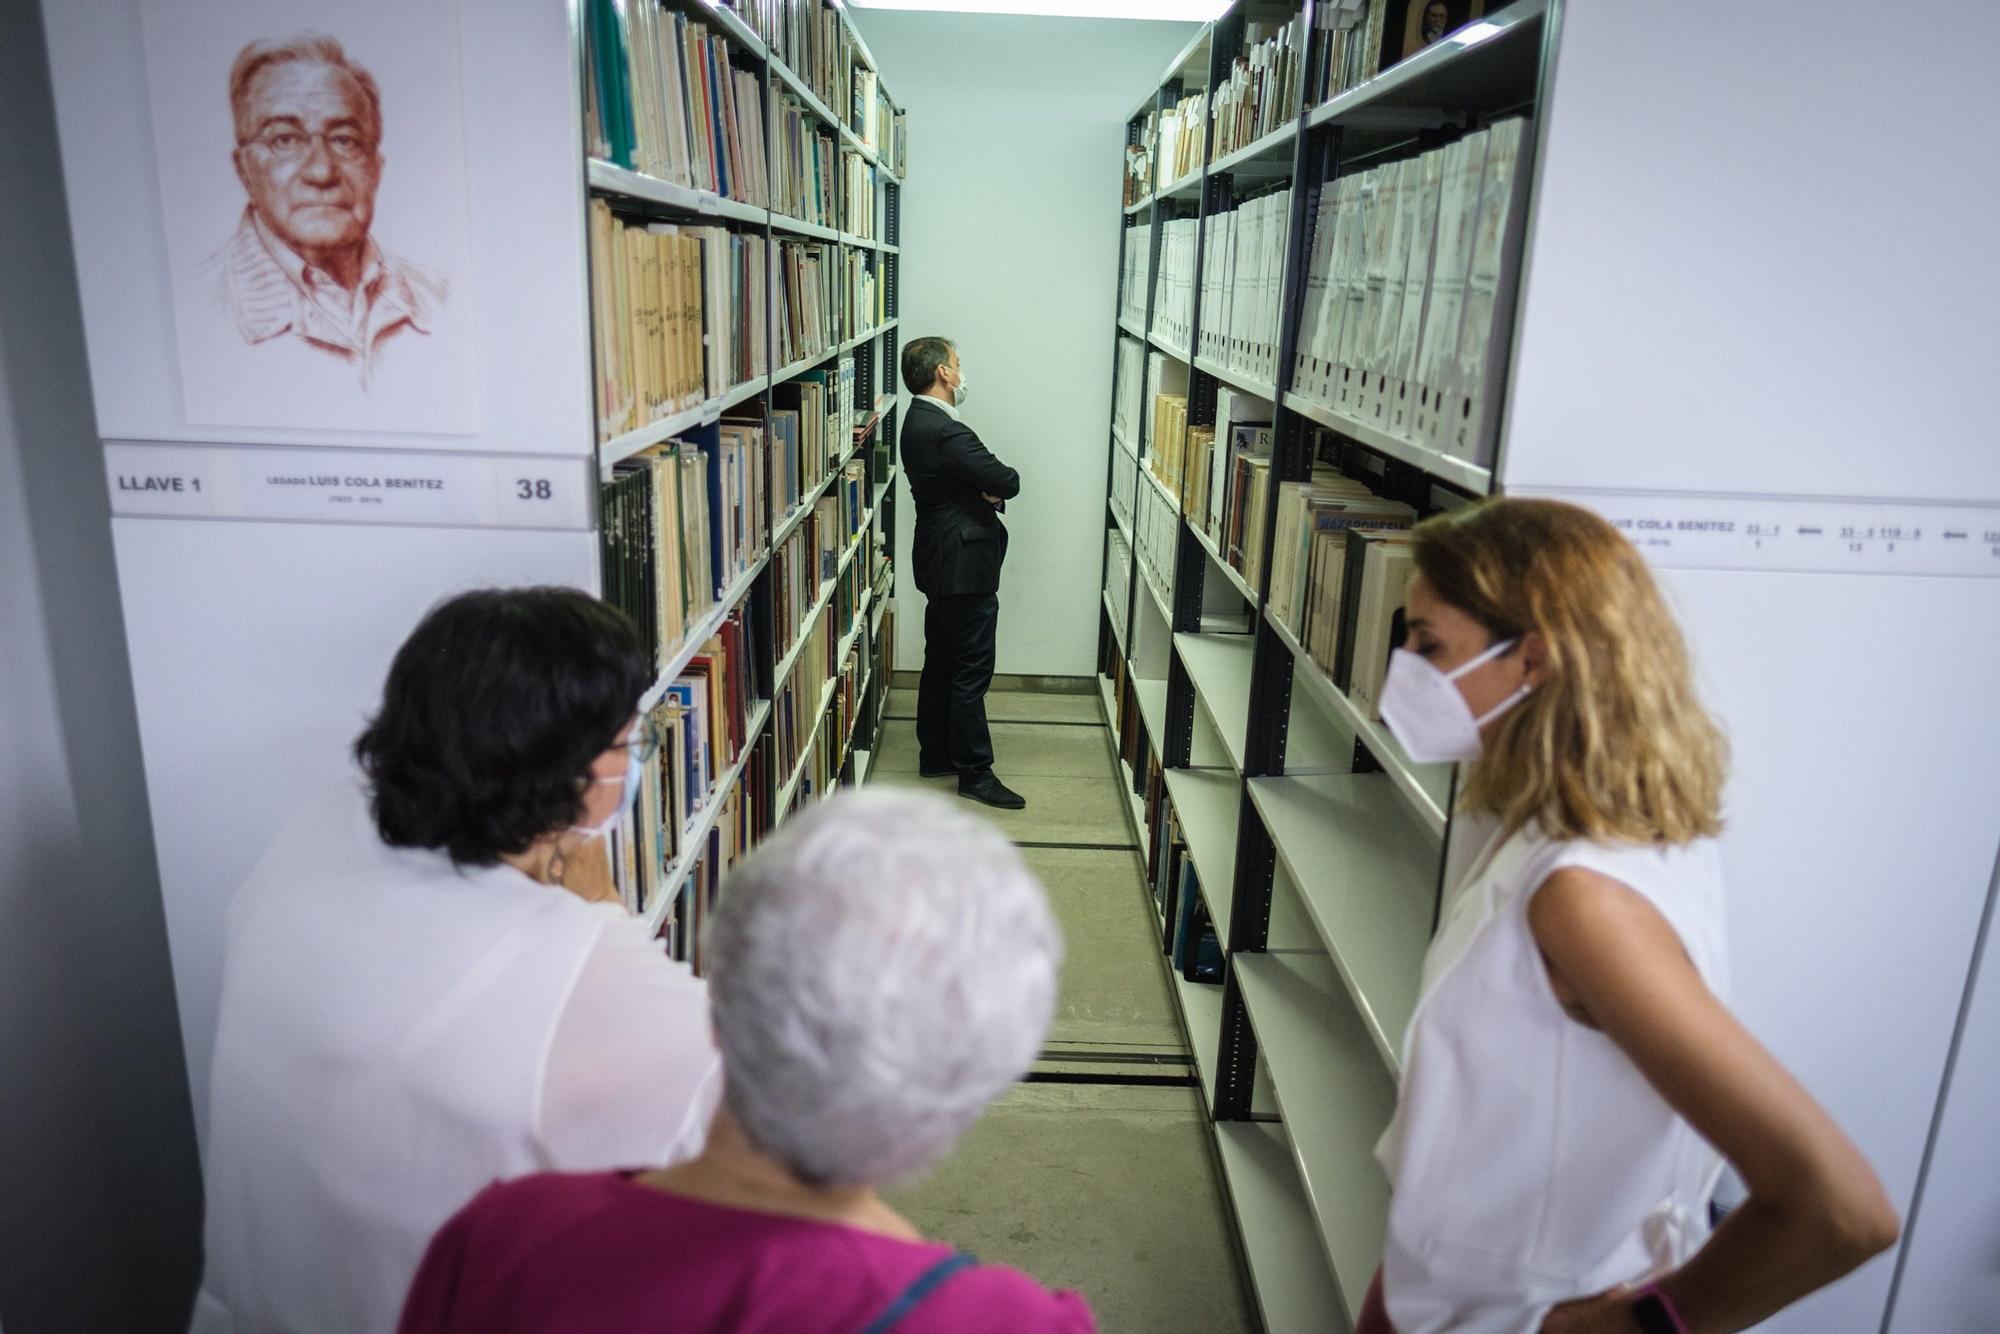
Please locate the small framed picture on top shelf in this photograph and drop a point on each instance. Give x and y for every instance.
(1412, 25)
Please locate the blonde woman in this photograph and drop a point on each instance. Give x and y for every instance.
(1572, 1079)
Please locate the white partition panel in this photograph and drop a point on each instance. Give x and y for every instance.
(1747, 285)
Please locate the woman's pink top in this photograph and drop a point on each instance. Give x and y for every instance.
(598, 1253)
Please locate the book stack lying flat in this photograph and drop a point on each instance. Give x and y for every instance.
(1401, 312)
(1262, 90)
(1241, 283)
(677, 315)
(664, 100)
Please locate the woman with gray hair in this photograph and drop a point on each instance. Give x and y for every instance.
(880, 970)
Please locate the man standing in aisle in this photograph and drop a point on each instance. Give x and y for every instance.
(959, 489)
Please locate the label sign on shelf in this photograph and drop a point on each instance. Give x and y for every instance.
(348, 486)
(1805, 536)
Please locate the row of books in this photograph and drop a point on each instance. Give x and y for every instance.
(1228, 502)
(1193, 948)
(1129, 374)
(1341, 570)
(1172, 436)
(1117, 579)
(1124, 479)
(1242, 283)
(800, 569)
(867, 295)
(862, 184)
(1156, 531)
(1360, 38)
(813, 716)
(813, 42)
(876, 120)
(1139, 156)
(677, 315)
(739, 827)
(1178, 155)
(682, 520)
(1261, 92)
(663, 99)
(807, 415)
(804, 165)
(1401, 307)
(702, 719)
(1165, 375)
(1132, 287)
(812, 314)
(1173, 284)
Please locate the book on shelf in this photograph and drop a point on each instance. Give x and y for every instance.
(1234, 409)
(1168, 440)
(681, 521)
(814, 306)
(1156, 536)
(803, 165)
(1181, 126)
(1326, 505)
(1401, 314)
(1242, 281)
(1129, 379)
(1261, 91)
(1142, 158)
(1133, 286)
(861, 183)
(664, 100)
(1173, 284)
(1358, 39)
(677, 316)
(1248, 480)
(1379, 567)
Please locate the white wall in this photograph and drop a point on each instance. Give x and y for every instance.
(1010, 247)
(1729, 297)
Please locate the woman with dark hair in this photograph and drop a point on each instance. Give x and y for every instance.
(414, 1003)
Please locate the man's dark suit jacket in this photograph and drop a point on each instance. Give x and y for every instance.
(959, 540)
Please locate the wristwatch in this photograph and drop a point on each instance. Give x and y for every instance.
(1655, 1314)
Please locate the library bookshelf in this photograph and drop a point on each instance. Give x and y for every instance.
(1281, 822)
(807, 602)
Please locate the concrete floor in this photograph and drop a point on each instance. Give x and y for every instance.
(1110, 1189)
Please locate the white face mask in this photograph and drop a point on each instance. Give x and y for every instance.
(1428, 715)
(626, 800)
(959, 391)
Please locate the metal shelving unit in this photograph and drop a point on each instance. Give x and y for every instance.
(1322, 880)
(636, 195)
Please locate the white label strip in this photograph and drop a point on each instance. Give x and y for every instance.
(1809, 536)
(348, 486)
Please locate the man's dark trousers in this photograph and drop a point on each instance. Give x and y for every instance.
(951, 695)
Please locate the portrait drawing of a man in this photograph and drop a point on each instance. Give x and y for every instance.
(303, 266)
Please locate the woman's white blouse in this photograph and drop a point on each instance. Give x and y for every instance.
(1530, 1161)
(395, 1033)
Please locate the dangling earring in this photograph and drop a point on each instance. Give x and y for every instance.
(558, 865)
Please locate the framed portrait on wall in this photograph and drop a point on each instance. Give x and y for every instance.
(312, 181)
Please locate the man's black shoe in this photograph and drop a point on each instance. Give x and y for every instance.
(992, 792)
(934, 770)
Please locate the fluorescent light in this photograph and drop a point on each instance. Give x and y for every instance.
(1475, 34)
(1184, 11)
